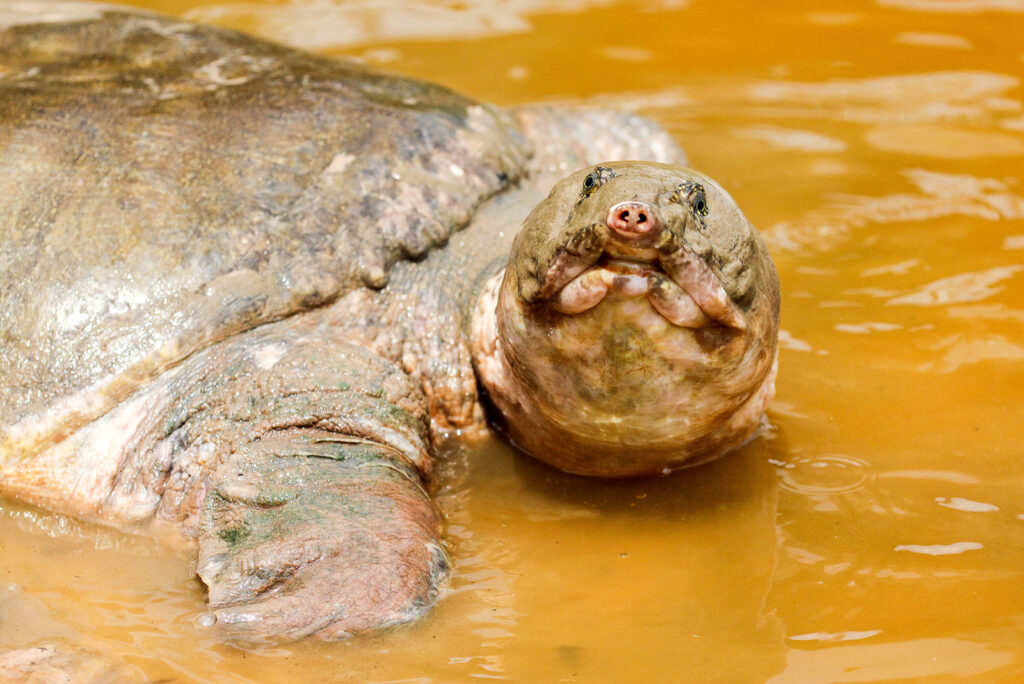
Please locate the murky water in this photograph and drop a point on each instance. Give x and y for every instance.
(877, 536)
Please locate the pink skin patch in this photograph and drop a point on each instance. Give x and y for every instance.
(675, 304)
(679, 284)
(633, 220)
(582, 293)
(696, 278)
(611, 347)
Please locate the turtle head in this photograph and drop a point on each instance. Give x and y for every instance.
(634, 330)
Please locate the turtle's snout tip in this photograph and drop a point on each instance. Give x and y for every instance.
(634, 219)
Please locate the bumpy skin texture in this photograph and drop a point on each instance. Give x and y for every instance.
(611, 355)
(136, 145)
(196, 228)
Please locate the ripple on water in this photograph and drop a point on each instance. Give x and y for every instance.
(835, 636)
(971, 287)
(825, 475)
(867, 328)
(792, 138)
(316, 24)
(940, 549)
(944, 142)
(935, 97)
(956, 6)
(961, 504)
(941, 194)
(910, 660)
(960, 351)
(939, 40)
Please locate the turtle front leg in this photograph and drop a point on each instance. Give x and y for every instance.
(298, 462)
(307, 532)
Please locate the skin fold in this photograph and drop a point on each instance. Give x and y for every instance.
(247, 291)
(616, 353)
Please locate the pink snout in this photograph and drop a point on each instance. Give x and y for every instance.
(634, 219)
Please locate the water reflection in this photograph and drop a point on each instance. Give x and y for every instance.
(905, 660)
(940, 195)
(939, 40)
(717, 521)
(793, 139)
(798, 559)
(824, 475)
(322, 24)
(948, 544)
(904, 98)
(958, 289)
(956, 6)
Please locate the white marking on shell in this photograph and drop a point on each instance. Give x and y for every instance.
(339, 163)
(267, 356)
(456, 170)
(96, 301)
(212, 73)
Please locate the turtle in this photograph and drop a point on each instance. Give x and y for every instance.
(247, 291)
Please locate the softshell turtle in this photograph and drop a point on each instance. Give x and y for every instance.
(226, 316)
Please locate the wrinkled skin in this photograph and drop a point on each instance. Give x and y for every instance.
(212, 330)
(612, 352)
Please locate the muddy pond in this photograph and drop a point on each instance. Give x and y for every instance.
(877, 535)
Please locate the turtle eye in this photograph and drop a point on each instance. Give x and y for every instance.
(596, 179)
(692, 195)
(699, 202)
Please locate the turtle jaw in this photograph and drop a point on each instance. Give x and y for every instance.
(658, 265)
(686, 304)
(617, 390)
(610, 347)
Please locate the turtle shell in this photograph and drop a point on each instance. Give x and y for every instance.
(165, 185)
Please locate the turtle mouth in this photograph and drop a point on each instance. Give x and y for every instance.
(679, 285)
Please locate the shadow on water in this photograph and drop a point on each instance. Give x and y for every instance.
(678, 566)
(739, 478)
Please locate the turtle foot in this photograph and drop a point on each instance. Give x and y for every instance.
(313, 533)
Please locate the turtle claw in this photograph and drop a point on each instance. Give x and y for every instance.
(332, 598)
(326, 546)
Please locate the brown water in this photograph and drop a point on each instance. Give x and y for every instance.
(878, 536)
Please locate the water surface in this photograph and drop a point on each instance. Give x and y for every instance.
(877, 536)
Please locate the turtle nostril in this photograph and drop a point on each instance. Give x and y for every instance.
(633, 219)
